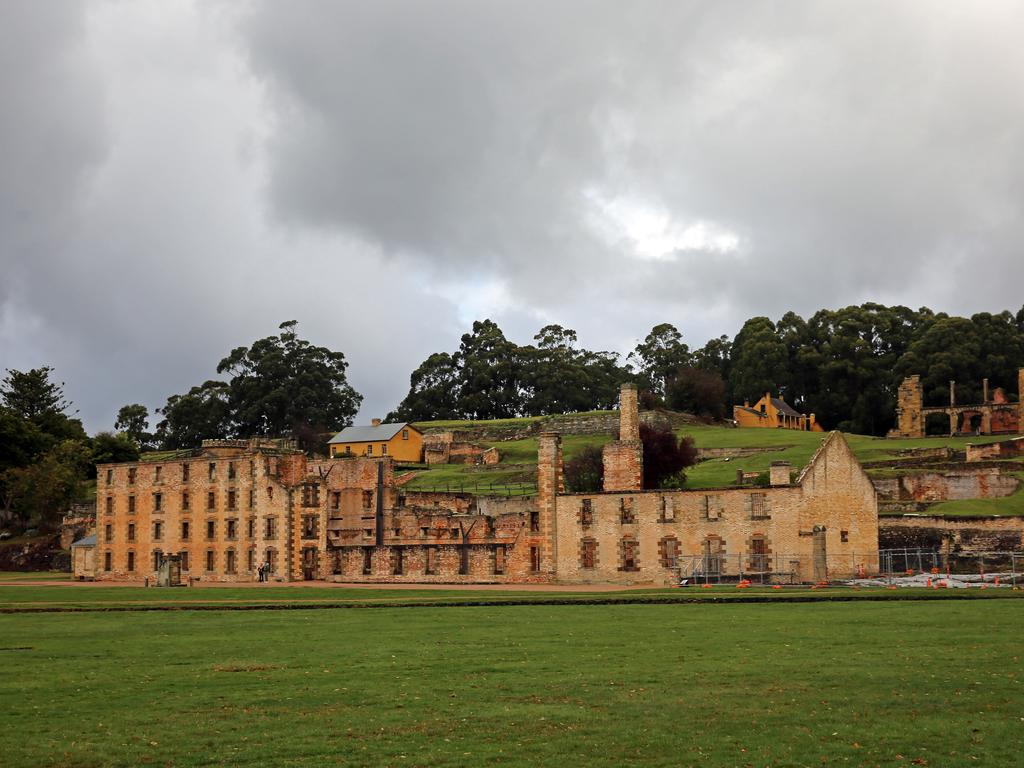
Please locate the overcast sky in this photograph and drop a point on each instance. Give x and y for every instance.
(178, 178)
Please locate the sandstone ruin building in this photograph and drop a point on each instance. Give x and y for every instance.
(994, 415)
(232, 505)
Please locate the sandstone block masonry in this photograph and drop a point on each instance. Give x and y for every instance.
(624, 458)
(994, 415)
(232, 505)
(824, 525)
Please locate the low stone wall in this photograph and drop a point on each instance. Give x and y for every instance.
(735, 453)
(606, 423)
(963, 535)
(984, 483)
(468, 503)
(1004, 449)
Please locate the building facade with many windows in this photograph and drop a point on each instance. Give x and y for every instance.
(233, 505)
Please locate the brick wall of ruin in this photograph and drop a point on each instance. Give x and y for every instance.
(623, 458)
(969, 535)
(242, 494)
(909, 403)
(1002, 450)
(833, 493)
(953, 485)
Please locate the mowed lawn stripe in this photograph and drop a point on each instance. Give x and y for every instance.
(851, 684)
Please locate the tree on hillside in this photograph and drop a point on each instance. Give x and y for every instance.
(133, 420)
(204, 412)
(666, 457)
(489, 376)
(560, 378)
(1002, 348)
(949, 349)
(661, 354)
(108, 448)
(21, 441)
(433, 391)
(844, 365)
(281, 382)
(759, 361)
(37, 495)
(697, 391)
(966, 351)
(33, 396)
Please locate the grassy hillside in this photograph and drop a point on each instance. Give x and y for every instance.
(519, 458)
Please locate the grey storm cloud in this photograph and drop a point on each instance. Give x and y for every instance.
(180, 177)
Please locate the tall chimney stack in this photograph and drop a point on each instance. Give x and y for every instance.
(624, 459)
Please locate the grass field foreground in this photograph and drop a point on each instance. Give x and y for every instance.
(16, 597)
(725, 685)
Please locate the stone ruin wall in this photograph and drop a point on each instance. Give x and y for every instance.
(996, 414)
(958, 485)
(1004, 449)
(964, 535)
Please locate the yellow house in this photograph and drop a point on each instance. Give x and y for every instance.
(773, 413)
(402, 442)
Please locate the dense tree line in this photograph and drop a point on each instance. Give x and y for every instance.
(279, 386)
(46, 458)
(490, 377)
(842, 365)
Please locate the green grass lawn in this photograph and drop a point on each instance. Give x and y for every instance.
(15, 597)
(1012, 505)
(13, 577)
(718, 685)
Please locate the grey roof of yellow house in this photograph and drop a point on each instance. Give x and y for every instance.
(379, 434)
(86, 541)
(786, 408)
(754, 411)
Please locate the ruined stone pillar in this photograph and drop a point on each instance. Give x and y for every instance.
(549, 485)
(1020, 399)
(952, 423)
(909, 402)
(629, 413)
(986, 420)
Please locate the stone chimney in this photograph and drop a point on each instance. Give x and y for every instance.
(952, 393)
(984, 391)
(375, 422)
(629, 413)
(549, 485)
(1020, 399)
(624, 458)
(778, 474)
